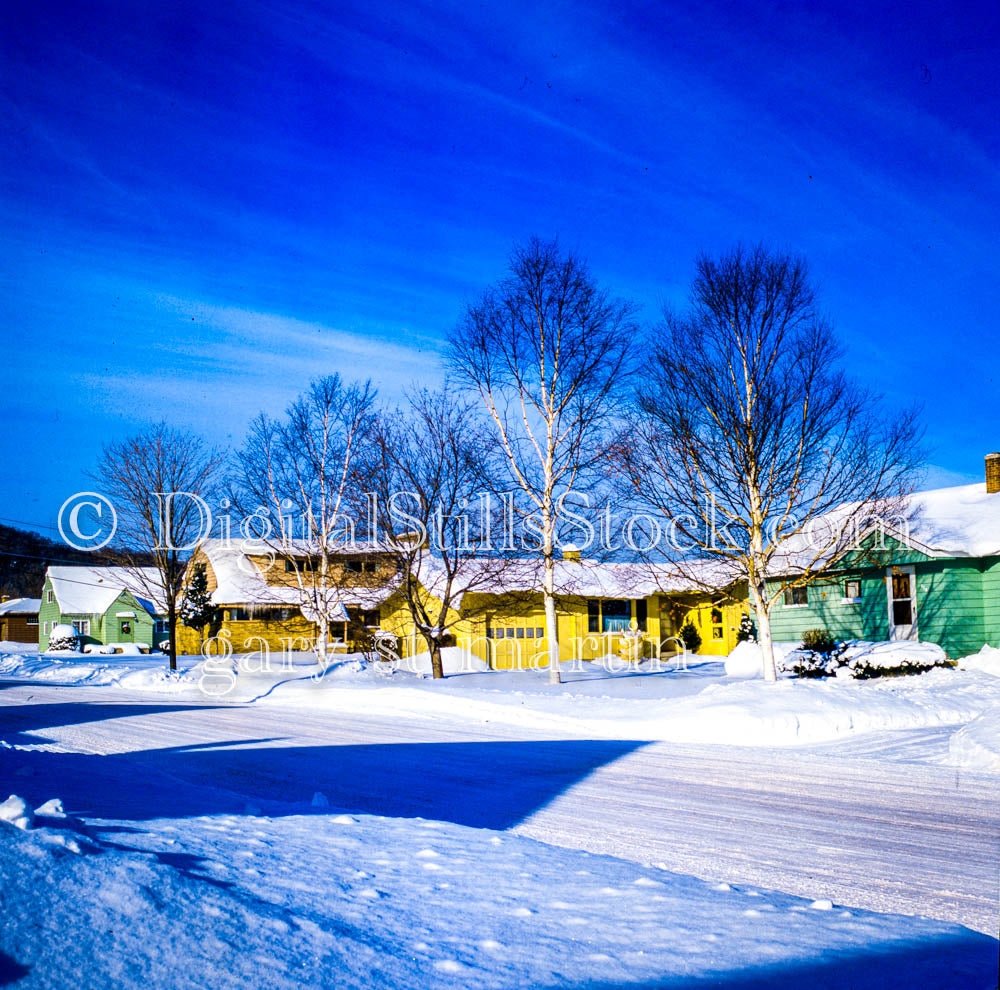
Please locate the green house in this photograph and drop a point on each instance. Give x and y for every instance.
(104, 605)
(937, 580)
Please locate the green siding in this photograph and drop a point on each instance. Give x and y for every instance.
(950, 607)
(991, 602)
(104, 628)
(827, 609)
(958, 604)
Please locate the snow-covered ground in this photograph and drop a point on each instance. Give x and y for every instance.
(374, 828)
(696, 702)
(362, 901)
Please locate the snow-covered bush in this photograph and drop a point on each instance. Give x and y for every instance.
(63, 637)
(863, 660)
(819, 655)
(746, 633)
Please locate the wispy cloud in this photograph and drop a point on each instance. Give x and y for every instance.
(218, 366)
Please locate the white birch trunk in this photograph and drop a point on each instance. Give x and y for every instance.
(759, 596)
(548, 586)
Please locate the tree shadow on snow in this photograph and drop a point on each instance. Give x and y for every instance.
(481, 784)
(11, 970)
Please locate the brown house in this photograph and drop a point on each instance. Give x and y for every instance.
(19, 620)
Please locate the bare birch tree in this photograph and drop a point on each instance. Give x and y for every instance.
(426, 479)
(298, 473)
(549, 354)
(431, 513)
(751, 441)
(158, 481)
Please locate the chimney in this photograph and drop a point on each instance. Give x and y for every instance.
(992, 473)
(570, 551)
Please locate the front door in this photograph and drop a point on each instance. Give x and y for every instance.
(901, 584)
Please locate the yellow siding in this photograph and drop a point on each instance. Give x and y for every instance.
(665, 615)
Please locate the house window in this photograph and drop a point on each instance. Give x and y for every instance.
(353, 566)
(799, 595)
(616, 614)
(716, 623)
(293, 566)
(32, 620)
(239, 615)
(370, 567)
(515, 632)
(368, 617)
(50, 596)
(593, 615)
(852, 588)
(902, 603)
(160, 627)
(640, 613)
(126, 627)
(81, 627)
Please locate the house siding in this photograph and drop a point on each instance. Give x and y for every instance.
(957, 601)
(950, 603)
(18, 629)
(991, 602)
(104, 628)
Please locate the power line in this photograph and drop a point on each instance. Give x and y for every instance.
(48, 557)
(25, 522)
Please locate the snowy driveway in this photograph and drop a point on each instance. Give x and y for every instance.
(888, 836)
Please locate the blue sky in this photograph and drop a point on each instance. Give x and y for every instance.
(205, 205)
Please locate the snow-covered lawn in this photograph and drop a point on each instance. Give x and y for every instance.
(692, 703)
(361, 901)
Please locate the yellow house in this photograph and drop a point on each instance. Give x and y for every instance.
(258, 599)
(628, 610)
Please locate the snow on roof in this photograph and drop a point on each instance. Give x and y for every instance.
(581, 578)
(82, 590)
(20, 606)
(241, 582)
(961, 521)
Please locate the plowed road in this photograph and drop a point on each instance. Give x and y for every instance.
(862, 831)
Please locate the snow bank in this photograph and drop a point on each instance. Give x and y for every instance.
(794, 711)
(986, 660)
(454, 660)
(400, 903)
(977, 745)
(9, 646)
(746, 660)
(138, 671)
(697, 703)
(16, 812)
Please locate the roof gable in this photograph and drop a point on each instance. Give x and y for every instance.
(93, 590)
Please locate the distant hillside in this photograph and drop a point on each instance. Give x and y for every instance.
(24, 557)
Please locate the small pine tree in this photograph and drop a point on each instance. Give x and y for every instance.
(197, 608)
(690, 637)
(63, 638)
(746, 633)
